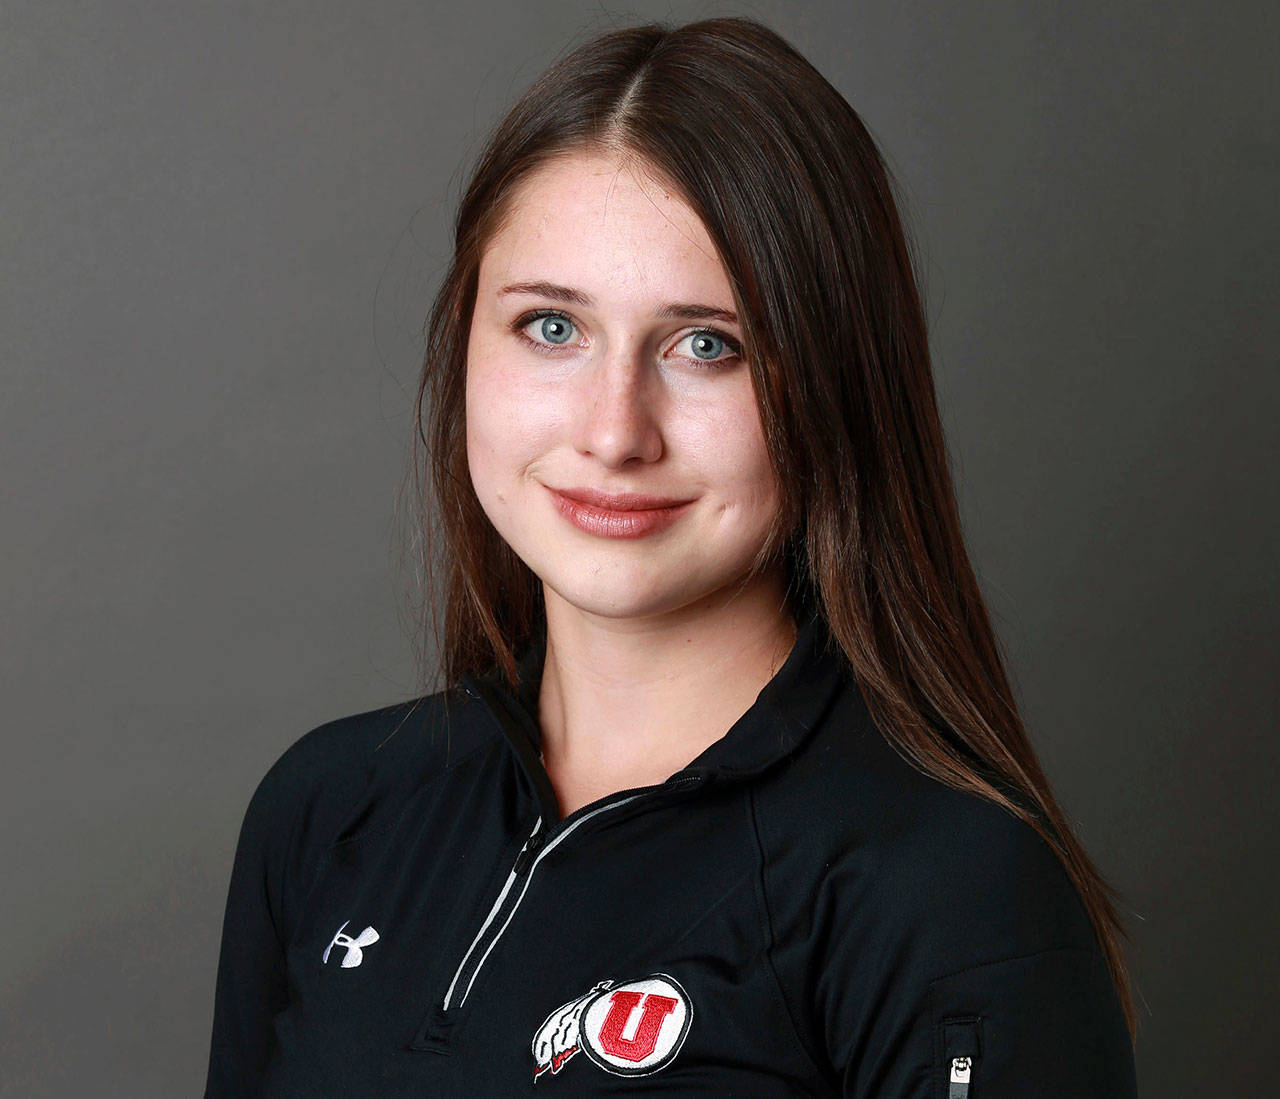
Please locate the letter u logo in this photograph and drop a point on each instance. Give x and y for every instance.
(621, 1004)
(635, 1027)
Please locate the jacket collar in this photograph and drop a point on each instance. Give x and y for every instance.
(784, 712)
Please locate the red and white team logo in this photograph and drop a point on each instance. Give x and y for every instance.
(629, 1029)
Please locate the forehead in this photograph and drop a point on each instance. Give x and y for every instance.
(593, 221)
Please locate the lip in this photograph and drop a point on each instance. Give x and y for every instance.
(617, 515)
(619, 501)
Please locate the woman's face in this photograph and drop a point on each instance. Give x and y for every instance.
(588, 370)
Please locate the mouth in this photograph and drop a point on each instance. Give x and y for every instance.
(618, 515)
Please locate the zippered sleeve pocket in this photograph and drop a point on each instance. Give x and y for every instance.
(959, 1056)
(1046, 1024)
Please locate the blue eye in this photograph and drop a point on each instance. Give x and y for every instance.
(711, 342)
(554, 327)
(553, 332)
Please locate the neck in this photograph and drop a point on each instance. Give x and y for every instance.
(645, 695)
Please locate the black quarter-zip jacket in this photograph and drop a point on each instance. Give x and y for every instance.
(797, 912)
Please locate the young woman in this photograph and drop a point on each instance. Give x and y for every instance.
(726, 792)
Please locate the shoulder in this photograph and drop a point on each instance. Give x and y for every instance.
(352, 773)
(914, 867)
(966, 882)
(902, 907)
(355, 745)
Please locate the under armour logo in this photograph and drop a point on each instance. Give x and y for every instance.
(354, 955)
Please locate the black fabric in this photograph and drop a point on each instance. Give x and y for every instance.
(797, 912)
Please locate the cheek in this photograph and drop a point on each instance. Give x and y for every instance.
(733, 458)
(488, 420)
(508, 422)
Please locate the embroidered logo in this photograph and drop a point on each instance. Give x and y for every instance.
(629, 1029)
(355, 953)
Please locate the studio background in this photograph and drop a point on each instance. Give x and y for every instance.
(220, 227)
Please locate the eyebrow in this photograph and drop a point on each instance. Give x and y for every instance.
(688, 311)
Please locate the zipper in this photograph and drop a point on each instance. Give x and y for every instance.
(961, 1044)
(538, 845)
(433, 1034)
(517, 871)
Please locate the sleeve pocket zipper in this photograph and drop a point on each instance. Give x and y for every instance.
(961, 1041)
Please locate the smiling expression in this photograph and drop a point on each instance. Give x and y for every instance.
(604, 355)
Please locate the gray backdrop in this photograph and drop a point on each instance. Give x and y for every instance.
(219, 229)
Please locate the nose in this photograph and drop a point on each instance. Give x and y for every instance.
(618, 409)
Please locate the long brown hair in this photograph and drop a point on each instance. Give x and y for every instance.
(799, 202)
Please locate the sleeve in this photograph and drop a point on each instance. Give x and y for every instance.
(971, 984)
(1047, 1024)
(251, 982)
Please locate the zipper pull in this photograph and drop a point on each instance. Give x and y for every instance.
(961, 1048)
(528, 852)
